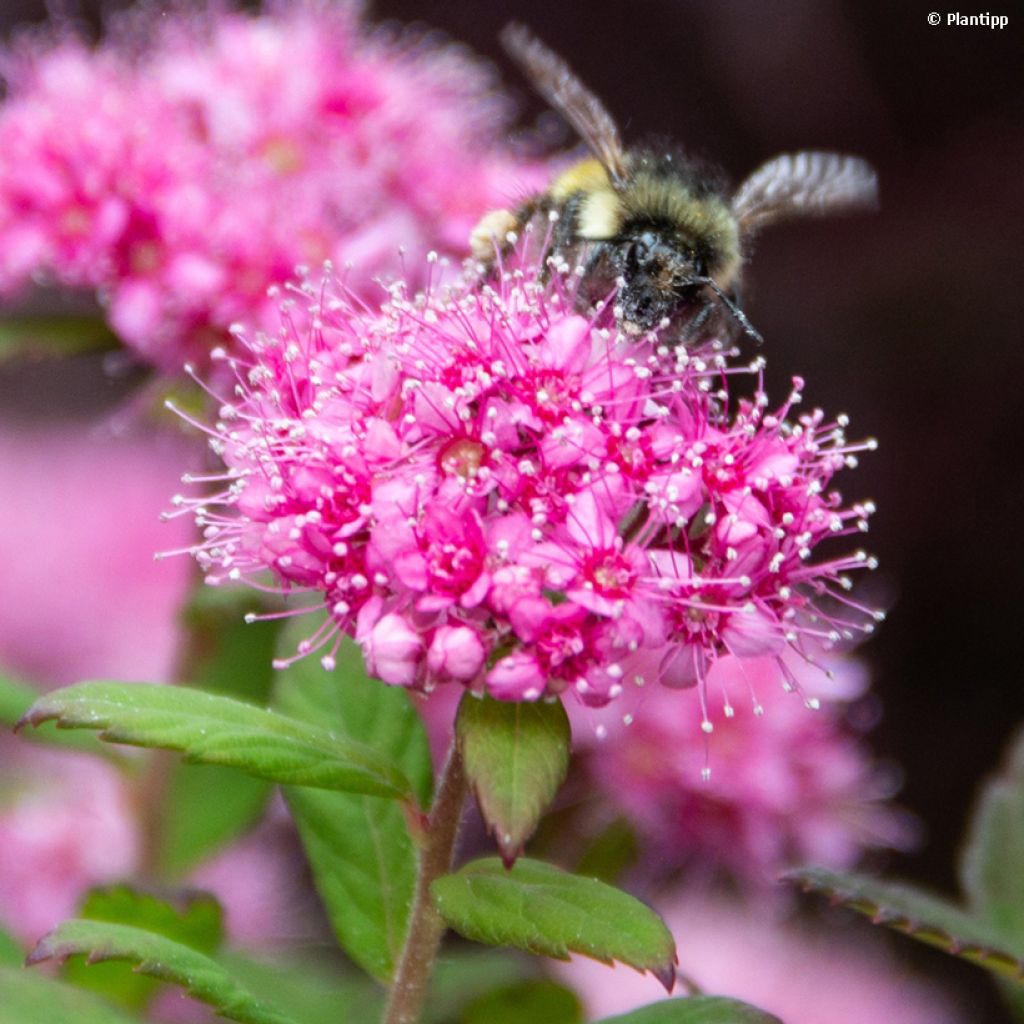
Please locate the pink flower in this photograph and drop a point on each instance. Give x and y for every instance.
(65, 824)
(753, 786)
(594, 509)
(79, 524)
(456, 654)
(801, 974)
(257, 881)
(517, 676)
(394, 651)
(186, 164)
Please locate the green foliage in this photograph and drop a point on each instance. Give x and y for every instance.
(207, 806)
(190, 917)
(53, 336)
(363, 860)
(27, 997)
(186, 915)
(929, 918)
(11, 953)
(15, 700)
(695, 1010)
(990, 931)
(162, 958)
(540, 909)
(992, 868)
(218, 730)
(525, 1002)
(610, 853)
(309, 990)
(465, 973)
(515, 756)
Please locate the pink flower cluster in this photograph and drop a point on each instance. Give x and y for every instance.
(786, 787)
(485, 487)
(103, 555)
(65, 824)
(190, 162)
(803, 974)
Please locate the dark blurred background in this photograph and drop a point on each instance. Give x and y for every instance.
(910, 321)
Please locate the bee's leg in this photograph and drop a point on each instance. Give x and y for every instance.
(595, 290)
(489, 240)
(737, 314)
(563, 233)
(698, 321)
(497, 232)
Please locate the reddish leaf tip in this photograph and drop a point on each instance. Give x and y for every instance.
(666, 974)
(37, 714)
(43, 951)
(26, 719)
(509, 855)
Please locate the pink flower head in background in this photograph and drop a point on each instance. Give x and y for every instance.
(483, 486)
(784, 787)
(189, 162)
(79, 522)
(801, 974)
(66, 824)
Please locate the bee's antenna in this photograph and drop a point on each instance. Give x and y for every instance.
(738, 315)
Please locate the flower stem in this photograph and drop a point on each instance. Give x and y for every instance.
(426, 926)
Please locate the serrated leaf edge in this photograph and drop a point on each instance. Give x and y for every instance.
(990, 957)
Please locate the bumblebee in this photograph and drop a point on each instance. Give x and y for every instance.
(651, 225)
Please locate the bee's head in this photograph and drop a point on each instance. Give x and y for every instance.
(656, 272)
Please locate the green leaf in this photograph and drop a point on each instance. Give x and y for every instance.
(611, 852)
(922, 915)
(515, 755)
(695, 1010)
(540, 909)
(308, 990)
(218, 730)
(465, 973)
(185, 915)
(525, 1002)
(15, 700)
(992, 868)
(37, 337)
(364, 863)
(207, 806)
(30, 998)
(158, 957)
(190, 917)
(11, 953)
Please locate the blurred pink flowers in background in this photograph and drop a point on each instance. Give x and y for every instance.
(762, 791)
(802, 974)
(66, 823)
(258, 881)
(79, 525)
(185, 164)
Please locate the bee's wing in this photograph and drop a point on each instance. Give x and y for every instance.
(555, 81)
(804, 184)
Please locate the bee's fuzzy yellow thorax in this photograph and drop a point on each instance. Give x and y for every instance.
(706, 221)
(586, 176)
(599, 212)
